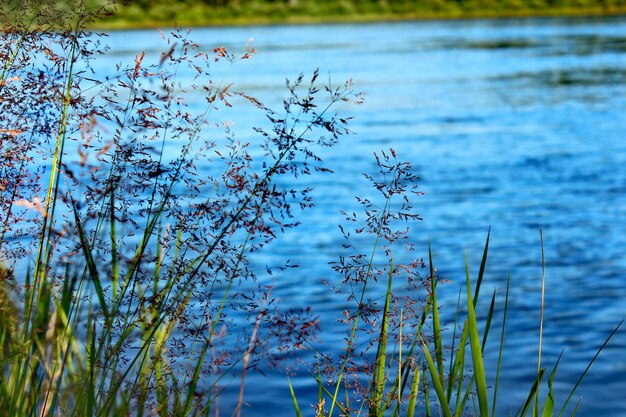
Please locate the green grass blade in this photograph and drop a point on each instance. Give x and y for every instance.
(414, 391)
(115, 262)
(453, 348)
(460, 399)
(191, 388)
(501, 347)
(477, 357)
(571, 394)
(436, 319)
(575, 410)
(541, 314)
(488, 320)
(531, 395)
(91, 389)
(295, 400)
(548, 408)
(426, 395)
(381, 353)
(434, 376)
(322, 390)
(91, 264)
(481, 271)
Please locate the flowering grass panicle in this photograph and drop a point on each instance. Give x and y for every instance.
(140, 290)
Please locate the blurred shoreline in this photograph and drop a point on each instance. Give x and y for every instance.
(205, 16)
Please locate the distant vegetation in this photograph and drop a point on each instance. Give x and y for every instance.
(221, 12)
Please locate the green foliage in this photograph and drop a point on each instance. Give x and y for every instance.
(221, 12)
(125, 308)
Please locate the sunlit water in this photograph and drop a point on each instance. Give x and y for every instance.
(515, 124)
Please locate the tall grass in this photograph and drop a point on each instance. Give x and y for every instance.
(134, 259)
(408, 363)
(138, 258)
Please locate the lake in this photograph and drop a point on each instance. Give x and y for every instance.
(516, 124)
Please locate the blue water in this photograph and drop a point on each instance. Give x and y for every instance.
(517, 125)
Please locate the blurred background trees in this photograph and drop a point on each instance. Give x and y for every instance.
(219, 12)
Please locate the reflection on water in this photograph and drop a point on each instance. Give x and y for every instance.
(514, 124)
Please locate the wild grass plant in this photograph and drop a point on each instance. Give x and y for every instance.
(401, 358)
(136, 259)
(134, 293)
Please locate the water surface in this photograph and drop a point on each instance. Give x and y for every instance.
(517, 125)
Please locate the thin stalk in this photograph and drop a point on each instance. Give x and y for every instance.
(501, 348)
(437, 383)
(246, 358)
(48, 218)
(295, 401)
(358, 315)
(571, 394)
(436, 319)
(115, 262)
(414, 391)
(400, 364)
(543, 286)
(378, 383)
(18, 45)
(481, 271)
(452, 368)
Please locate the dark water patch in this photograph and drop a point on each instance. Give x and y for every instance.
(469, 44)
(536, 44)
(305, 46)
(587, 45)
(566, 77)
(468, 191)
(519, 43)
(456, 119)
